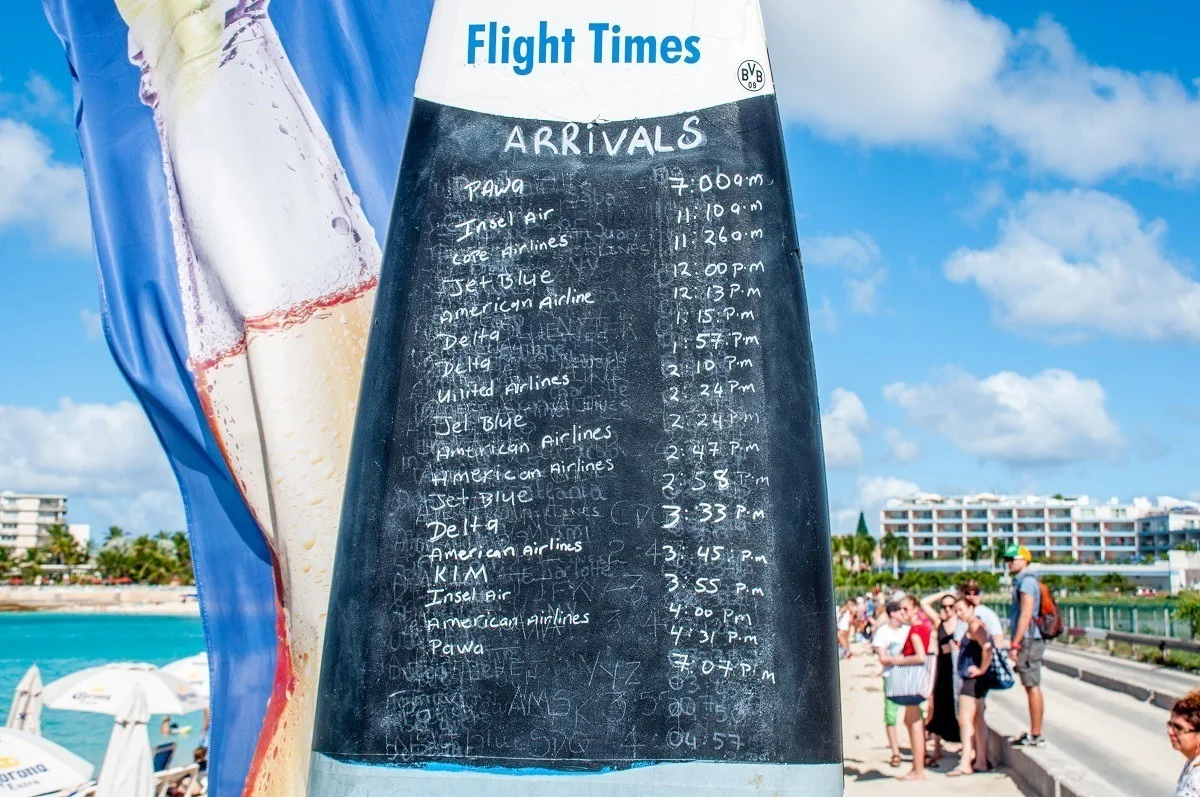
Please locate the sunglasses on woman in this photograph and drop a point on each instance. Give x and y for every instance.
(1179, 727)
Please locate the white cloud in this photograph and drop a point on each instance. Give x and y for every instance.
(852, 252)
(864, 292)
(1051, 418)
(873, 493)
(899, 72)
(1080, 262)
(840, 427)
(93, 328)
(39, 100)
(857, 254)
(941, 73)
(146, 513)
(105, 456)
(903, 449)
(43, 99)
(986, 199)
(825, 316)
(39, 194)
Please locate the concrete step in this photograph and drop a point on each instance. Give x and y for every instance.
(1161, 686)
(1100, 743)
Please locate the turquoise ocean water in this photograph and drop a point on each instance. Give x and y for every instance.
(61, 644)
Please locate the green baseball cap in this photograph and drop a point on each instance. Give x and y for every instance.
(1018, 552)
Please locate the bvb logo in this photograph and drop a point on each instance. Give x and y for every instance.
(752, 76)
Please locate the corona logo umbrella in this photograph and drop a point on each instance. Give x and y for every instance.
(31, 766)
(25, 713)
(101, 690)
(193, 671)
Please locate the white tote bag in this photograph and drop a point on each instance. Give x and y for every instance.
(912, 684)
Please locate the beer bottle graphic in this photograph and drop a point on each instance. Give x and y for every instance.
(277, 268)
(584, 540)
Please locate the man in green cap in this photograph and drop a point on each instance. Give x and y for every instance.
(1028, 647)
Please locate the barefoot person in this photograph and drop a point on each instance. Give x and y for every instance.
(974, 661)
(916, 647)
(943, 719)
(887, 642)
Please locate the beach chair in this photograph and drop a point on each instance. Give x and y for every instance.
(162, 755)
(180, 776)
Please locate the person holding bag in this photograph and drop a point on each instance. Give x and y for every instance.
(914, 667)
(887, 641)
(974, 665)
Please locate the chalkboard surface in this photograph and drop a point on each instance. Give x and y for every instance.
(586, 522)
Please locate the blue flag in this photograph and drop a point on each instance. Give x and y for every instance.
(240, 161)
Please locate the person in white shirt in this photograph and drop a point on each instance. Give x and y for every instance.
(991, 621)
(1183, 729)
(887, 642)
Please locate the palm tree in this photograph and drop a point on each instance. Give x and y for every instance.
(63, 549)
(31, 563)
(114, 533)
(837, 550)
(150, 560)
(183, 557)
(6, 562)
(976, 548)
(864, 550)
(894, 548)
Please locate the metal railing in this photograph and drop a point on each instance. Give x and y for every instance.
(1157, 621)
(1145, 640)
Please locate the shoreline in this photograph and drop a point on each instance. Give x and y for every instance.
(124, 600)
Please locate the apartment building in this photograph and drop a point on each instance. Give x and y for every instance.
(24, 519)
(1074, 529)
(1167, 527)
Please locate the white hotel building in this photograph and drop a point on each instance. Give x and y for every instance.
(24, 519)
(1164, 528)
(939, 527)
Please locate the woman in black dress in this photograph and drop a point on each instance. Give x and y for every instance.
(943, 722)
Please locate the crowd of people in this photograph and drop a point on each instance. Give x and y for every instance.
(953, 650)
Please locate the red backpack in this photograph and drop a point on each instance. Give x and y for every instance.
(1049, 618)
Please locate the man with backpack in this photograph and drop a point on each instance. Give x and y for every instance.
(1035, 619)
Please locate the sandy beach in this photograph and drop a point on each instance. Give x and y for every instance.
(866, 753)
(169, 601)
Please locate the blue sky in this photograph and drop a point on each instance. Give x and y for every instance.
(994, 201)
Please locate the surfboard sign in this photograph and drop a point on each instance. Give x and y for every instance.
(585, 533)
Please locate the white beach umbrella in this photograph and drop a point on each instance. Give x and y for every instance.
(102, 690)
(128, 768)
(193, 671)
(25, 714)
(31, 766)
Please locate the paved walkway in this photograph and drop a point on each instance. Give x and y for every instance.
(1147, 677)
(866, 751)
(1103, 743)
